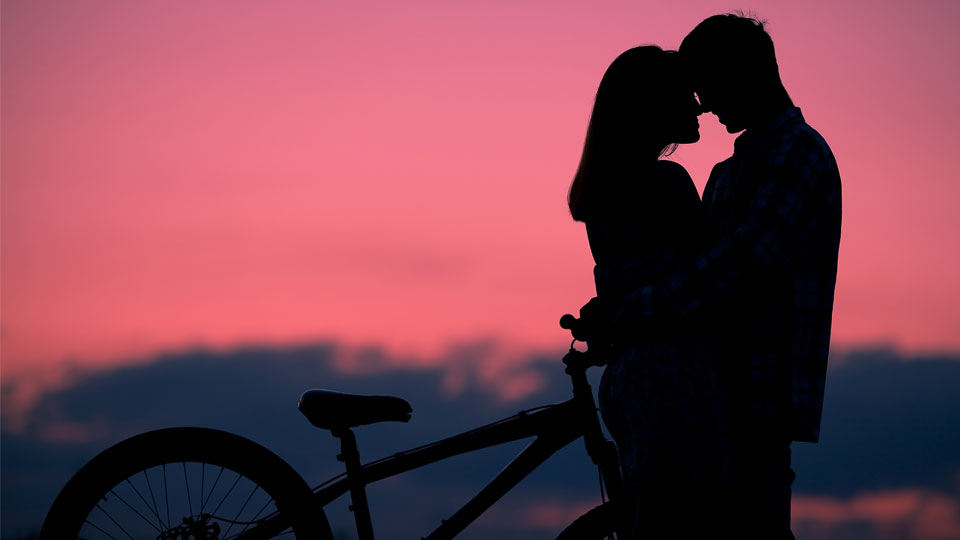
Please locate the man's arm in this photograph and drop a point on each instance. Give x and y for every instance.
(785, 216)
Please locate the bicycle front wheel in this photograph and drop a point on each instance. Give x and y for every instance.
(596, 524)
(178, 483)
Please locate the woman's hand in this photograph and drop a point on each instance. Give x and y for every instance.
(596, 322)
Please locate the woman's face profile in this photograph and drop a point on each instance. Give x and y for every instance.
(680, 115)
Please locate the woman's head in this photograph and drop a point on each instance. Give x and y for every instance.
(644, 107)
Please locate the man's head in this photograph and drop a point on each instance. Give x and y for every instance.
(734, 70)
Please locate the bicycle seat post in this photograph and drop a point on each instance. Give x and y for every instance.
(350, 456)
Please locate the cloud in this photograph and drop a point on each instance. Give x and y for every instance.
(889, 445)
(917, 514)
(554, 514)
(253, 392)
(508, 374)
(67, 432)
(889, 422)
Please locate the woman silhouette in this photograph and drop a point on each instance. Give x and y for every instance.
(661, 393)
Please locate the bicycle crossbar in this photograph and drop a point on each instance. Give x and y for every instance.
(532, 456)
(553, 420)
(551, 425)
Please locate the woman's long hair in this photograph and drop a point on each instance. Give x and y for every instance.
(625, 134)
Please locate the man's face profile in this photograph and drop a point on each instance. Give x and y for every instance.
(719, 93)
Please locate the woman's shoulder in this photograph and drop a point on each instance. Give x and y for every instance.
(671, 180)
(671, 169)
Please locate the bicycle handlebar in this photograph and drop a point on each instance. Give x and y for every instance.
(575, 326)
(575, 359)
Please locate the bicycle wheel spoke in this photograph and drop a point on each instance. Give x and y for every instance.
(237, 535)
(203, 471)
(156, 509)
(253, 520)
(262, 508)
(115, 523)
(94, 525)
(227, 494)
(256, 488)
(145, 503)
(166, 492)
(187, 483)
(128, 505)
(212, 488)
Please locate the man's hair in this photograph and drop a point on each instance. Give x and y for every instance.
(732, 38)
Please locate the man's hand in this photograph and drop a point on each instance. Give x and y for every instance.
(596, 318)
(604, 323)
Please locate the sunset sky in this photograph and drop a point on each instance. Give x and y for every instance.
(201, 199)
(217, 173)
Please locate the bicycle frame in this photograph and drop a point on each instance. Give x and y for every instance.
(551, 427)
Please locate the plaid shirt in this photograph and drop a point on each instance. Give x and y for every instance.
(768, 281)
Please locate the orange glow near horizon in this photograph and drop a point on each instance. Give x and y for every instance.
(176, 173)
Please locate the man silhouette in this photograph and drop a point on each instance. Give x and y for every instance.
(768, 279)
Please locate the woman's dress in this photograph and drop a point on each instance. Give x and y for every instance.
(661, 394)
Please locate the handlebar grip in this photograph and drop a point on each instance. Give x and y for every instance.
(568, 322)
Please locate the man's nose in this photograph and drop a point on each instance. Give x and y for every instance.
(698, 106)
(702, 105)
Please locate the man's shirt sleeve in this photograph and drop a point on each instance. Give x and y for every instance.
(793, 198)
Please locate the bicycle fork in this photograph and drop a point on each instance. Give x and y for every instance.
(602, 452)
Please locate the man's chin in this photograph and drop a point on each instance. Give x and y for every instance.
(733, 128)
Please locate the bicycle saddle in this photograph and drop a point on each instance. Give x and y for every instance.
(332, 410)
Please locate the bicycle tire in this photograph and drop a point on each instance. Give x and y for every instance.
(120, 479)
(596, 524)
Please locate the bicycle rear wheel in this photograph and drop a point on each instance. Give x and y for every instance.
(178, 483)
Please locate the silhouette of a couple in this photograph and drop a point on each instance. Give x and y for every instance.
(715, 314)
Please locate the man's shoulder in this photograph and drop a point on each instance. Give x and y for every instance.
(803, 155)
(803, 133)
(802, 136)
(801, 144)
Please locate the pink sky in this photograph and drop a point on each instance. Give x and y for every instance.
(179, 173)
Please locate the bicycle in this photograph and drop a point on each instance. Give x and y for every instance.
(126, 491)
